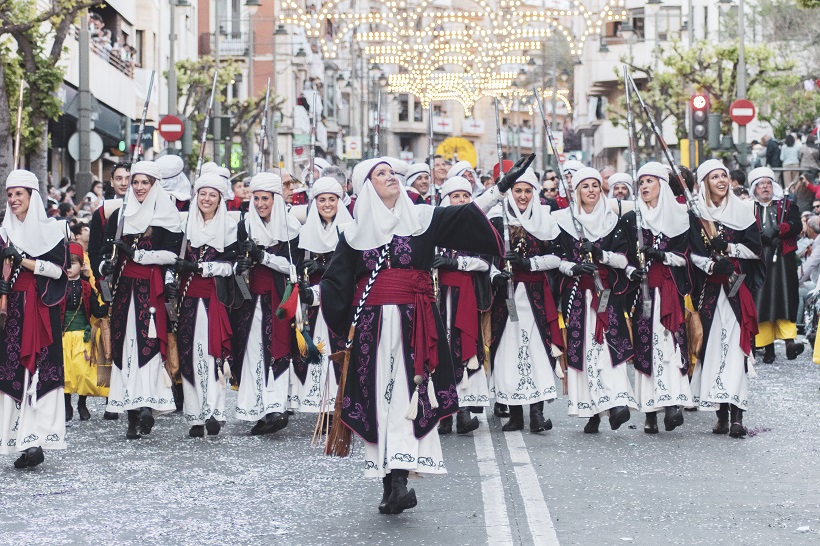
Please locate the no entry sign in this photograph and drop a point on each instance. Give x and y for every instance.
(742, 111)
(171, 128)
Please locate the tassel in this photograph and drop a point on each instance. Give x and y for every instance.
(152, 326)
(752, 373)
(313, 355)
(472, 364)
(413, 409)
(226, 369)
(220, 374)
(32, 389)
(559, 372)
(301, 342)
(431, 392)
(556, 350)
(166, 378)
(290, 300)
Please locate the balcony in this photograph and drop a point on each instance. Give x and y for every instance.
(121, 58)
(231, 44)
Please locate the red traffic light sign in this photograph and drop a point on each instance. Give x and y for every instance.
(171, 128)
(700, 102)
(742, 111)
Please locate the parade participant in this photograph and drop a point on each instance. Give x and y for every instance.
(598, 341)
(724, 242)
(661, 355)
(464, 292)
(151, 237)
(440, 169)
(315, 392)
(239, 188)
(606, 182)
(523, 352)
(777, 301)
(620, 187)
(319, 166)
(418, 184)
(32, 410)
(206, 292)
(174, 181)
(570, 167)
(263, 344)
(465, 169)
(400, 380)
(80, 307)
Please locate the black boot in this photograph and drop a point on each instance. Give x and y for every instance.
(476, 409)
(445, 426)
(387, 487)
(737, 430)
(768, 353)
(722, 425)
(146, 420)
(465, 423)
(400, 498)
(30, 458)
(197, 431)
(500, 410)
(618, 416)
(592, 425)
(82, 409)
(274, 422)
(516, 421)
(110, 415)
(69, 411)
(793, 350)
(179, 397)
(650, 426)
(537, 421)
(133, 420)
(673, 418)
(212, 426)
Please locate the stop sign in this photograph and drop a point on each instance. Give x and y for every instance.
(742, 111)
(171, 128)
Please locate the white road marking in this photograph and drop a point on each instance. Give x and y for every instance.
(495, 505)
(538, 515)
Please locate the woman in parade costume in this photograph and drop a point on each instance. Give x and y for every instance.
(32, 410)
(661, 355)
(598, 341)
(318, 239)
(263, 344)
(151, 237)
(208, 290)
(725, 241)
(80, 307)
(523, 352)
(464, 293)
(400, 380)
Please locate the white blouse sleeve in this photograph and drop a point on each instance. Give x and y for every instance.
(47, 269)
(154, 257)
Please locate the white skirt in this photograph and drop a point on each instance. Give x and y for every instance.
(666, 386)
(205, 398)
(32, 424)
(397, 446)
(256, 397)
(522, 373)
(599, 386)
(318, 393)
(473, 390)
(134, 386)
(721, 377)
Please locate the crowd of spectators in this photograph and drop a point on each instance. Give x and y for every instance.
(108, 46)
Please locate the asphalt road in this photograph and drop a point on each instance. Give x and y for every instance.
(623, 487)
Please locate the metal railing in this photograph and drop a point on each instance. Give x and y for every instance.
(113, 56)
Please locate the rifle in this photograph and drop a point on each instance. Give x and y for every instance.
(263, 134)
(603, 293)
(646, 308)
(208, 115)
(735, 279)
(106, 284)
(378, 123)
(138, 148)
(19, 126)
(512, 311)
(431, 157)
(171, 304)
(243, 279)
(311, 174)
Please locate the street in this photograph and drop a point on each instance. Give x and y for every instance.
(562, 486)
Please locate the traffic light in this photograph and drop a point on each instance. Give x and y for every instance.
(700, 116)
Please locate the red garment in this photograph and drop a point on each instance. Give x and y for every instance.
(466, 319)
(86, 287)
(409, 286)
(561, 202)
(234, 204)
(556, 338)
(748, 312)
(37, 332)
(587, 282)
(262, 283)
(152, 273)
(660, 276)
(219, 325)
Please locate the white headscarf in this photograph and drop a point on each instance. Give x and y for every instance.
(536, 218)
(596, 224)
(759, 174)
(219, 231)
(732, 212)
(414, 171)
(37, 234)
(282, 226)
(456, 183)
(319, 164)
(316, 236)
(173, 179)
(156, 210)
(374, 225)
(224, 172)
(668, 217)
(621, 178)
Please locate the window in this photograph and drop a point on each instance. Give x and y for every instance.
(668, 23)
(418, 115)
(140, 45)
(404, 107)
